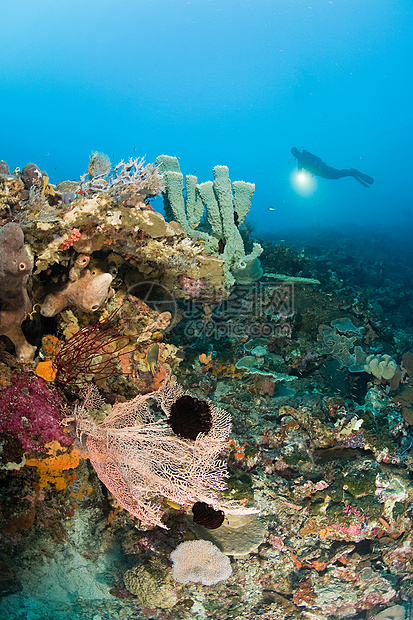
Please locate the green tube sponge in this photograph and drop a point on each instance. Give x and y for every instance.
(194, 205)
(167, 162)
(174, 198)
(243, 193)
(206, 192)
(227, 205)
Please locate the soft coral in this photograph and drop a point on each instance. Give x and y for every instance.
(31, 411)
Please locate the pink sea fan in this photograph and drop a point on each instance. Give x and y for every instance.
(140, 460)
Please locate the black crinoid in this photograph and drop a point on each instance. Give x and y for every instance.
(190, 416)
(206, 515)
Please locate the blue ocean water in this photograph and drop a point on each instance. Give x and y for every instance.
(234, 82)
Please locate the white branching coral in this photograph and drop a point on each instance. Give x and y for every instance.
(128, 179)
(142, 457)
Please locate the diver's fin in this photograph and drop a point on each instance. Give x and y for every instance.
(360, 181)
(362, 178)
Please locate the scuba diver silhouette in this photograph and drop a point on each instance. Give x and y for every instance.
(315, 165)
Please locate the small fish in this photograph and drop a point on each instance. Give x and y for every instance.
(157, 336)
(151, 359)
(271, 209)
(173, 504)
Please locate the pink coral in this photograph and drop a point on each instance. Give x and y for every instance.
(31, 411)
(73, 236)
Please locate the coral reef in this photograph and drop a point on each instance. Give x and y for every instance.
(293, 405)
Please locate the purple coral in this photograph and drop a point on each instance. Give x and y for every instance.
(31, 411)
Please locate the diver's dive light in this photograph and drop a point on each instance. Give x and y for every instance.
(303, 182)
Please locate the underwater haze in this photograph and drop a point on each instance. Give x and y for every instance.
(233, 82)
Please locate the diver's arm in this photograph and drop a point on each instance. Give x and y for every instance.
(312, 159)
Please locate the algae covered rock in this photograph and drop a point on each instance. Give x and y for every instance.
(238, 536)
(151, 587)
